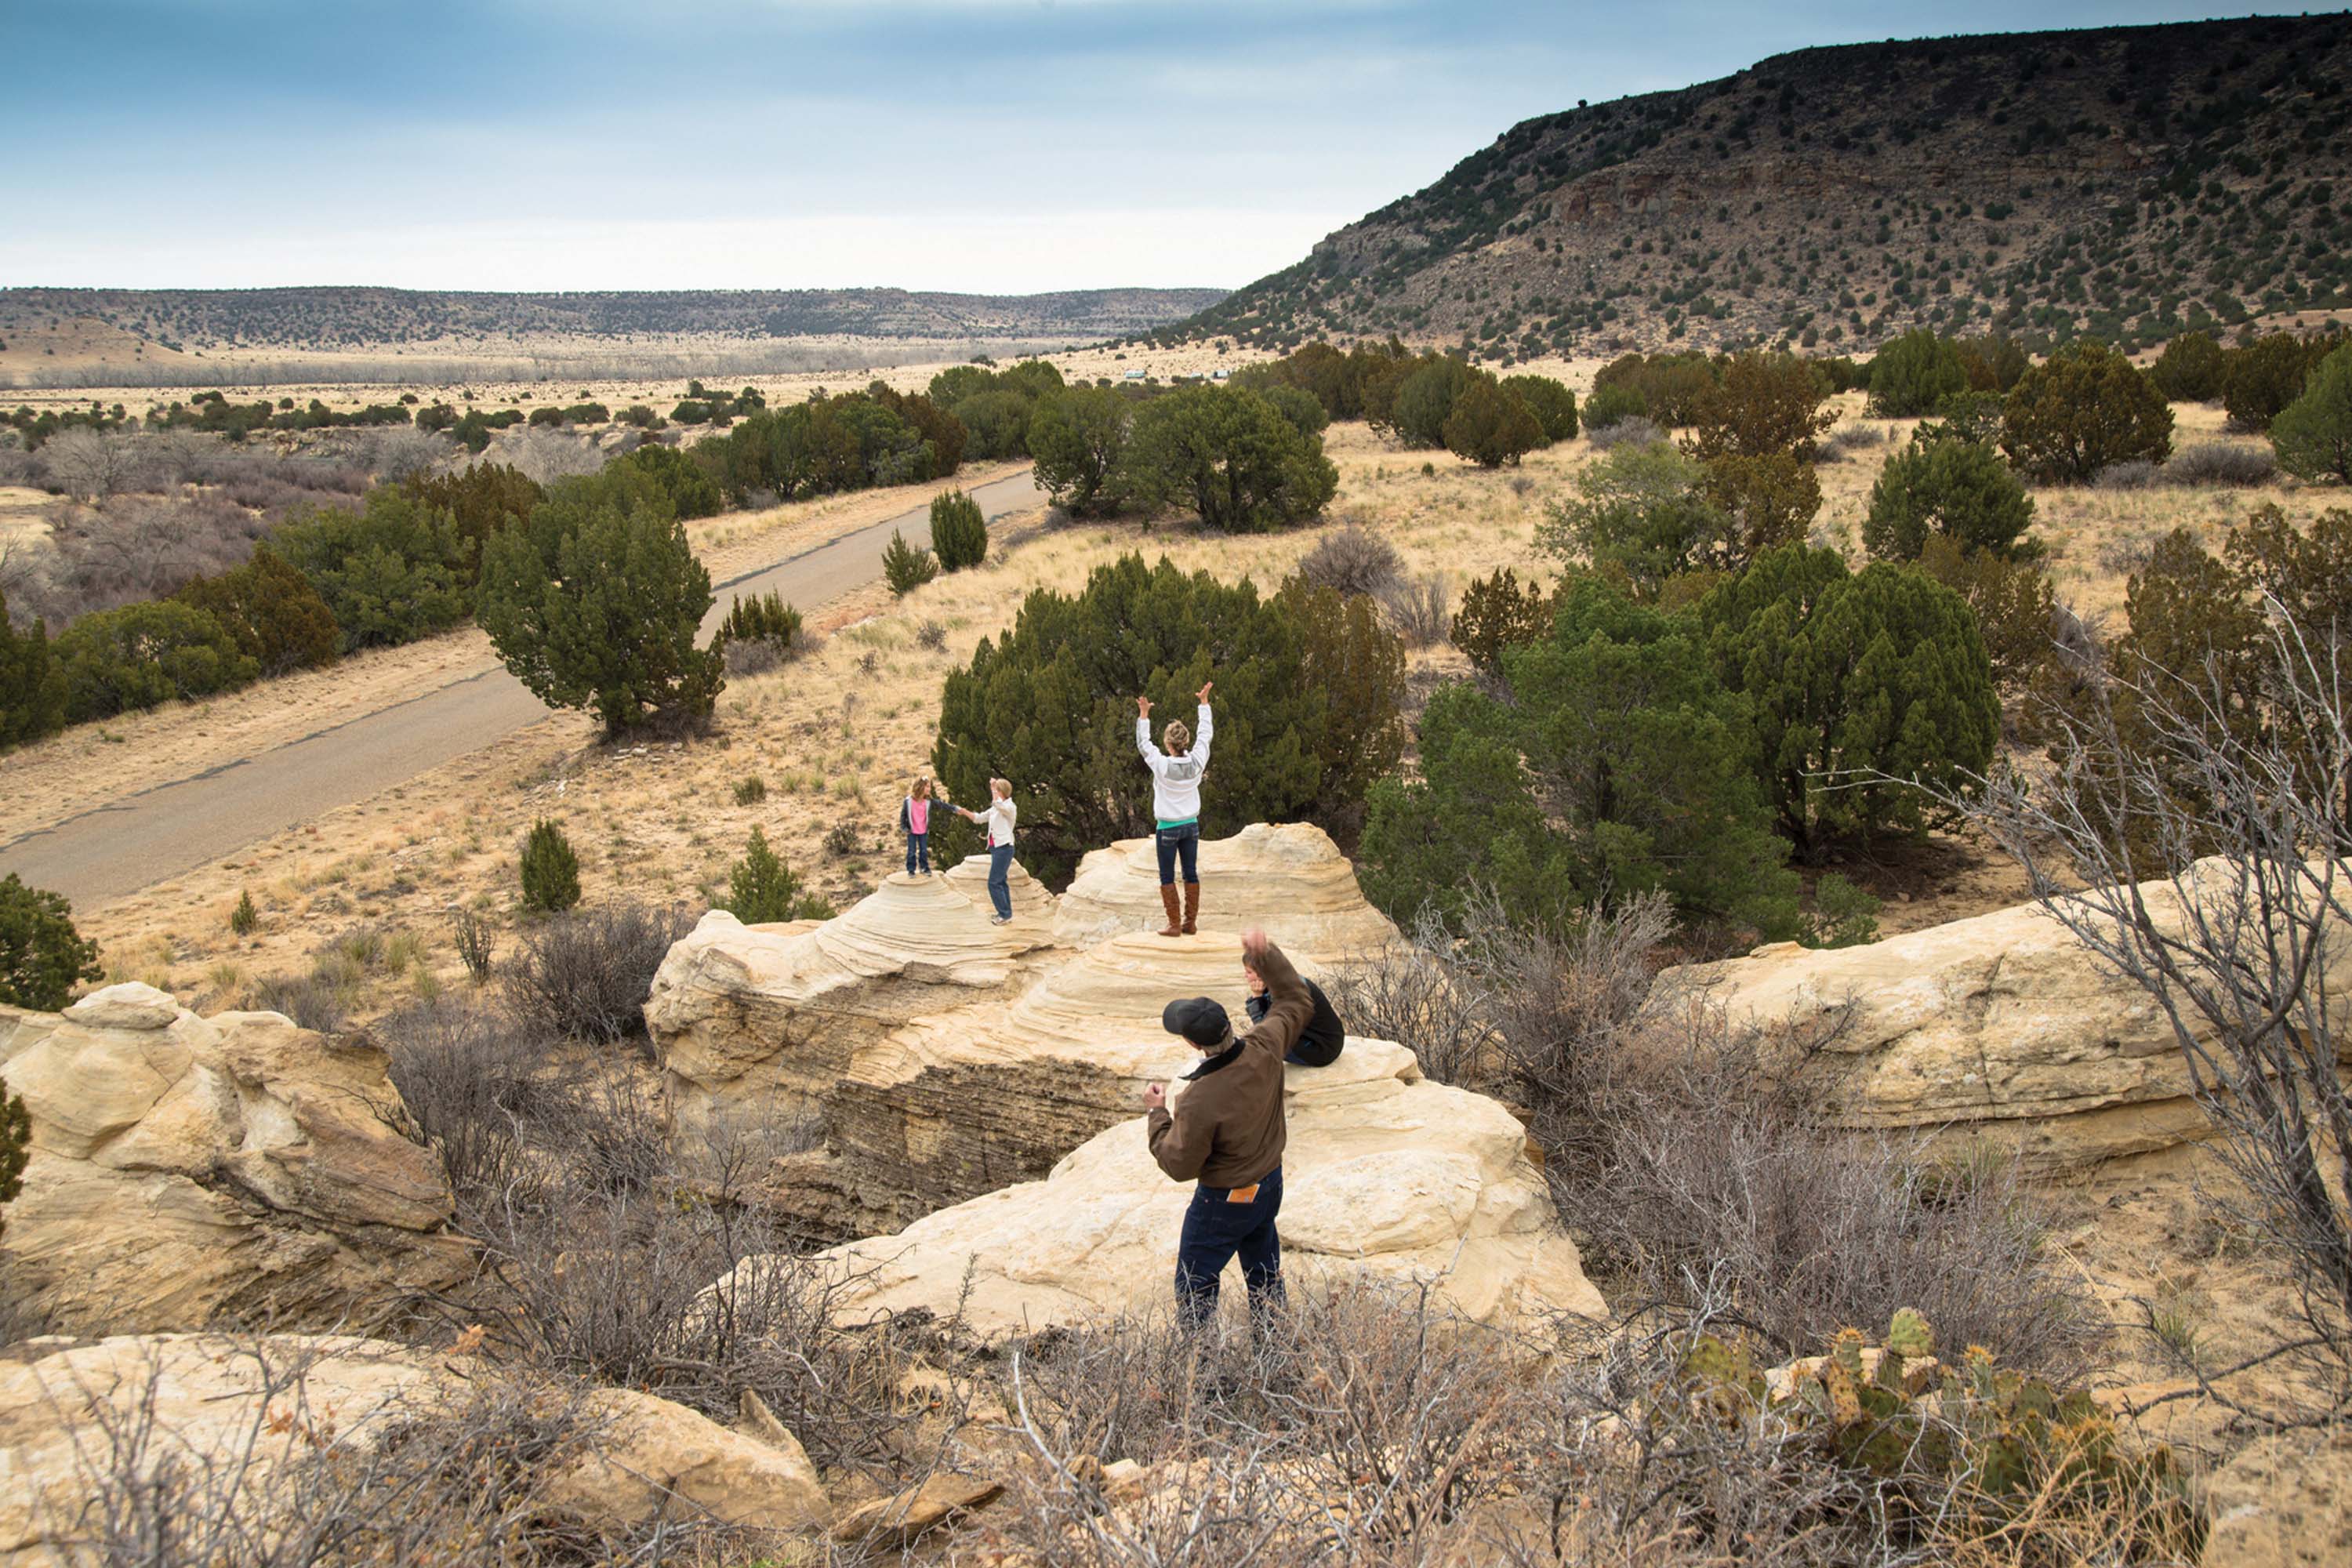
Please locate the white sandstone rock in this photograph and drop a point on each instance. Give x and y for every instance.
(1386, 1177)
(1289, 878)
(2000, 1025)
(644, 1460)
(184, 1169)
(940, 1057)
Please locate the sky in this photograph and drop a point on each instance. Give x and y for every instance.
(993, 146)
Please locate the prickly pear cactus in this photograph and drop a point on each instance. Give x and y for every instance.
(1907, 1419)
(1723, 1379)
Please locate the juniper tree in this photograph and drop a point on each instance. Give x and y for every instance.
(904, 566)
(32, 684)
(1228, 454)
(1619, 766)
(1552, 404)
(1852, 679)
(958, 531)
(1490, 426)
(1051, 705)
(1957, 489)
(277, 619)
(1913, 375)
(2189, 368)
(2085, 408)
(762, 890)
(2313, 435)
(596, 602)
(550, 870)
(15, 1148)
(42, 956)
(1077, 438)
(1638, 514)
(1761, 406)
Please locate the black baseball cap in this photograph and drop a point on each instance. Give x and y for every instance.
(1199, 1019)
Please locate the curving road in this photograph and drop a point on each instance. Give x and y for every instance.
(167, 828)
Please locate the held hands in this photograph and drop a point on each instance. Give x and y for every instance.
(1253, 948)
(1155, 1097)
(1206, 687)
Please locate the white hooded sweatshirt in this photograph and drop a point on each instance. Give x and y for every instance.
(1176, 780)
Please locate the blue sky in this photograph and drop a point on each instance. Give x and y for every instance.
(993, 145)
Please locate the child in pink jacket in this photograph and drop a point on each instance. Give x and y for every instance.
(915, 821)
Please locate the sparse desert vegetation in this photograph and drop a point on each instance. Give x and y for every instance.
(1810, 753)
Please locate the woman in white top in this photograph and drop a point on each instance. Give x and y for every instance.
(999, 816)
(1176, 776)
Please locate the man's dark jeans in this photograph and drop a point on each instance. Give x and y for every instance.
(1215, 1229)
(1179, 844)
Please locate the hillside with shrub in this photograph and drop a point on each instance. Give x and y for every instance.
(2126, 183)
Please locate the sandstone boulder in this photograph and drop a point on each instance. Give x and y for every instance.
(250, 1403)
(186, 1169)
(1289, 878)
(932, 1056)
(1999, 1026)
(1388, 1177)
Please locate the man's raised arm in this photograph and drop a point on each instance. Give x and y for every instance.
(1288, 1005)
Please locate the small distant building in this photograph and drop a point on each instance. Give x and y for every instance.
(1219, 374)
(1133, 375)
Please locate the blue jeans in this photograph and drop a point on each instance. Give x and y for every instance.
(918, 853)
(1215, 1229)
(1180, 843)
(1000, 889)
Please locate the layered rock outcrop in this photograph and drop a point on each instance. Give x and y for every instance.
(184, 1170)
(934, 1056)
(230, 1412)
(2001, 1026)
(1388, 1177)
(1290, 879)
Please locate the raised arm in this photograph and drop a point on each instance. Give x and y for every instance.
(1288, 1005)
(1143, 733)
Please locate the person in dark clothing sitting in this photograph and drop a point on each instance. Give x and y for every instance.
(1318, 1045)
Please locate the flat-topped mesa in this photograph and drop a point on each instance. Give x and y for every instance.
(1289, 878)
(935, 1056)
(186, 1170)
(1386, 1177)
(2002, 1027)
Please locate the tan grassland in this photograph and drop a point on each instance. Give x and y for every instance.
(835, 734)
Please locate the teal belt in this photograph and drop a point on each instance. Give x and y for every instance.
(1188, 821)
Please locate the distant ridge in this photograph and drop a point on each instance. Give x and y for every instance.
(2126, 182)
(339, 319)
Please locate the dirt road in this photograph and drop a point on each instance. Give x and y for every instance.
(168, 827)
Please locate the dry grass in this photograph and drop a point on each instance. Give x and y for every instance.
(662, 823)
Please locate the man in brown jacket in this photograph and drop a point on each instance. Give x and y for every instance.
(1226, 1133)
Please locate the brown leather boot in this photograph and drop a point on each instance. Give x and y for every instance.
(1168, 898)
(1191, 905)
